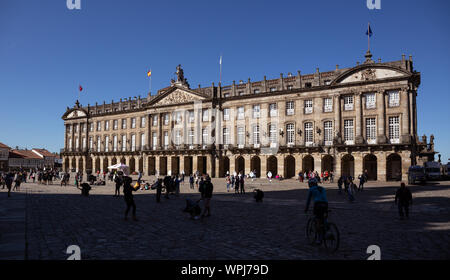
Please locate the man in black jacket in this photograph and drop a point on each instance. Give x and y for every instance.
(403, 198)
(207, 195)
(128, 196)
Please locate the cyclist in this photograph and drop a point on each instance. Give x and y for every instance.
(318, 193)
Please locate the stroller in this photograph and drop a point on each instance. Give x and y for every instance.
(193, 208)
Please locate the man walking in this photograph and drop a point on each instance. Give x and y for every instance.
(207, 195)
(128, 196)
(403, 198)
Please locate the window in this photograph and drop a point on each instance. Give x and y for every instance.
(75, 128)
(309, 135)
(166, 119)
(177, 137)
(106, 125)
(328, 105)
(328, 133)
(348, 132)
(77, 145)
(308, 106)
(142, 141)
(178, 117)
(290, 134)
(205, 115)
(155, 140)
(226, 95)
(205, 136)
(115, 143)
(115, 124)
(394, 98)
(99, 126)
(106, 143)
(289, 87)
(240, 113)
(70, 144)
(290, 108)
(133, 122)
(394, 129)
(241, 136)
(91, 143)
(83, 127)
(240, 93)
(133, 142)
(155, 120)
(143, 120)
(226, 136)
(348, 103)
(256, 91)
(191, 116)
(256, 111)
(91, 127)
(226, 114)
(371, 130)
(99, 144)
(69, 128)
(191, 137)
(256, 139)
(124, 143)
(124, 123)
(84, 143)
(273, 135)
(272, 89)
(308, 85)
(370, 100)
(273, 110)
(166, 139)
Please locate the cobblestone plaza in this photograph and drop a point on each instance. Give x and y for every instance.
(40, 222)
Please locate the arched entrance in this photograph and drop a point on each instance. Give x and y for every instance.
(66, 164)
(224, 166)
(289, 167)
(97, 165)
(132, 165)
(88, 164)
(123, 160)
(163, 166)
(201, 164)
(308, 164)
(240, 164)
(348, 165)
(114, 161)
(73, 165)
(151, 166)
(370, 164)
(393, 167)
(255, 166)
(175, 165)
(272, 165)
(327, 163)
(80, 164)
(105, 165)
(188, 165)
(141, 165)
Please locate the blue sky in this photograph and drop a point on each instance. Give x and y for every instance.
(46, 50)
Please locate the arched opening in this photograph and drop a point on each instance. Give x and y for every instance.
(370, 164)
(327, 163)
(66, 164)
(393, 168)
(151, 166)
(141, 165)
(105, 165)
(240, 164)
(132, 165)
(308, 164)
(114, 161)
(175, 162)
(80, 164)
(272, 165)
(123, 160)
(89, 164)
(224, 166)
(97, 164)
(348, 165)
(163, 166)
(201, 164)
(289, 167)
(255, 166)
(188, 168)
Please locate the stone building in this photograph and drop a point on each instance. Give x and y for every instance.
(4, 155)
(346, 120)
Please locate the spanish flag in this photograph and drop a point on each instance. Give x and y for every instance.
(149, 73)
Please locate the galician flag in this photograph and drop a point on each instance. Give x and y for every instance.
(369, 31)
(149, 73)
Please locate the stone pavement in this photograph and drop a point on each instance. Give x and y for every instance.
(239, 228)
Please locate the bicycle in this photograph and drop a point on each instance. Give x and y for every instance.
(330, 233)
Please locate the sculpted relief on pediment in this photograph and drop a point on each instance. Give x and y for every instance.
(371, 74)
(178, 96)
(76, 114)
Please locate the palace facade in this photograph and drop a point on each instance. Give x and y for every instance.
(345, 120)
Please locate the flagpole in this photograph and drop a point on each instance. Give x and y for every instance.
(220, 78)
(368, 36)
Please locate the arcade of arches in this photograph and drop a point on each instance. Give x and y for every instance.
(382, 166)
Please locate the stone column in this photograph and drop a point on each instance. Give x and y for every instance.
(381, 101)
(359, 139)
(209, 165)
(232, 164)
(263, 166)
(157, 166)
(280, 165)
(358, 164)
(216, 167)
(194, 163)
(182, 164)
(169, 165)
(298, 163)
(381, 166)
(405, 120)
(247, 159)
(337, 166)
(318, 163)
(406, 163)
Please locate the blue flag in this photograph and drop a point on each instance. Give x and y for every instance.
(369, 32)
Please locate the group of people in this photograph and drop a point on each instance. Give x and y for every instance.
(325, 176)
(236, 181)
(7, 180)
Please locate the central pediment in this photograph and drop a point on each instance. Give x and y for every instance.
(175, 96)
(369, 73)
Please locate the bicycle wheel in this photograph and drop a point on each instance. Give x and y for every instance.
(332, 238)
(311, 233)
